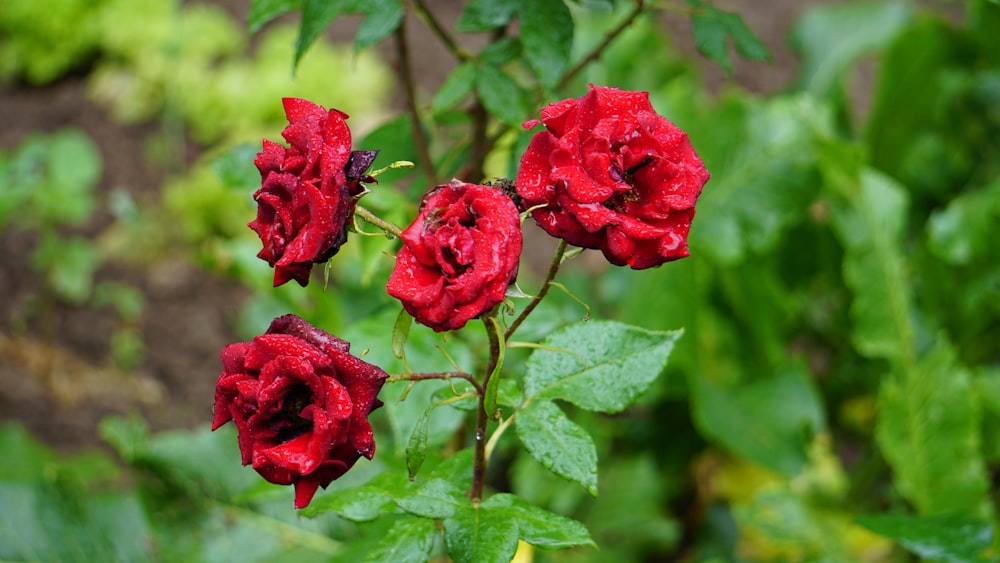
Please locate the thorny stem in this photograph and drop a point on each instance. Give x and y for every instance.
(377, 221)
(553, 270)
(438, 375)
(596, 51)
(420, 141)
(425, 15)
(482, 418)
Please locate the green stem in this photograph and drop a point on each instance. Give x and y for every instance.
(437, 375)
(425, 15)
(482, 418)
(596, 51)
(553, 270)
(377, 221)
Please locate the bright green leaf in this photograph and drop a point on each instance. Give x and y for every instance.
(456, 87)
(479, 535)
(951, 538)
(598, 365)
(264, 11)
(547, 36)
(537, 526)
(870, 226)
(501, 95)
(770, 422)
(484, 15)
(928, 431)
(408, 541)
(558, 443)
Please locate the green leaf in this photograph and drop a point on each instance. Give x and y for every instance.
(501, 95)
(478, 535)
(947, 537)
(484, 15)
(870, 225)
(493, 382)
(436, 498)
(384, 16)
(558, 443)
(770, 422)
(961, 232)
(236, 169)
(360, 504)
(416, 448)
(762, 183)
(69, 265)
(400, 332)
(264, 11)
(499, 53)
(316, 16)
(537, 526)
(547, 36)
(456, 87)
(410, 540)
(928, 430)
(598, 365)
(712, 29)
(457, 469)
(831, 38)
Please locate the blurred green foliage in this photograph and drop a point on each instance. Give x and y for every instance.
(836, 393)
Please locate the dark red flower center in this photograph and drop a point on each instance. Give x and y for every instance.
(288, 422)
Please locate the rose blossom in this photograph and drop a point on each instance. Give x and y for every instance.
(609, 173)
(307, 190)
(458, 256)
(300, 402)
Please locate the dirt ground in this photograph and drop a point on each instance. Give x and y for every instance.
(55, 374)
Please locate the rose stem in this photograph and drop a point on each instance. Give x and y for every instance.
(553, 269)
(425, 15)
(596, 51)
(420, 141)
(482, 418)
(377, 221)
(438, 375)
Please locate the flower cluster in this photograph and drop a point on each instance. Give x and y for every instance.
(607, 173)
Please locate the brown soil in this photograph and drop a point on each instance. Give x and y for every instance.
(55, 372)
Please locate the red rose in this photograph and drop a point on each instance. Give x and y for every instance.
(611, 174)
(307, 191)
(458, 256)
(300, 402)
